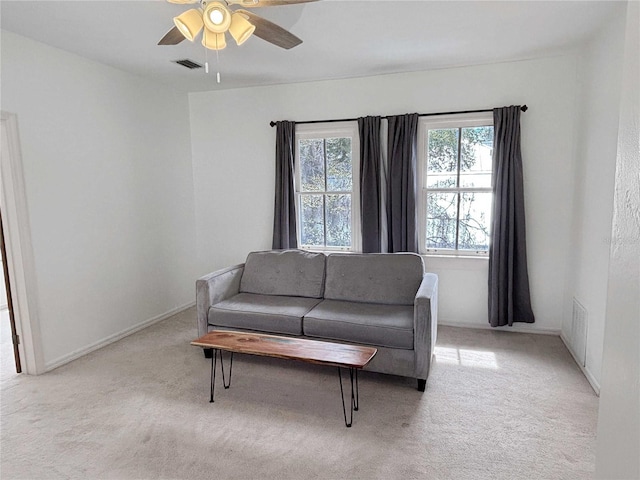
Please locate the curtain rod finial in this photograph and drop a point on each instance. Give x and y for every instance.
(524, 108)
(273, 124)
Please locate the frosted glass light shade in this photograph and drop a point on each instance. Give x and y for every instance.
(213, 41)
(189, 23)
(217, 17)
(240, 29)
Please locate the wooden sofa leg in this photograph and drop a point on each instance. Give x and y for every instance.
(208, 352)
(422, 384)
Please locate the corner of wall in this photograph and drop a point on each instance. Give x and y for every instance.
(594, 137)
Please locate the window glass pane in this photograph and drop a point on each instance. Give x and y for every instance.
(338, 214)
(311, 152)
(442, 155)
(311, 220)
(338, 164)
(475, 158)
(475, 220)
(442, 209)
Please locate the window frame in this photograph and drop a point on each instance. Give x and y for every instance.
(431, 123)
(331, 130)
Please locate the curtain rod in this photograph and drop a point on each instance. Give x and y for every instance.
(524, 108)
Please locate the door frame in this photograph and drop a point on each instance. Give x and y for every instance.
(19, 249)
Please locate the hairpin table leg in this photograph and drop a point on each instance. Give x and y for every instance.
(213, 373)
(354, 395)
(214, 362)
(224, 383)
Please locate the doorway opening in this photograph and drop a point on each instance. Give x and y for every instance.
(9, 338)
(19, 325)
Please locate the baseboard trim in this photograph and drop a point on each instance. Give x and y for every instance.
(113, 338)
(586, 372)
(517, 328)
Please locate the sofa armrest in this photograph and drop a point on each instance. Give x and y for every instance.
(425, 319)
(213, 288)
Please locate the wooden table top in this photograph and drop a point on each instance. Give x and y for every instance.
(304, 349)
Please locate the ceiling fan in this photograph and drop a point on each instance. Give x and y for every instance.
(216, 17)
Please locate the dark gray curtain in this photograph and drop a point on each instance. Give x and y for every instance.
(509, 299)
(369, 129)
(401, 183)
(284, 219)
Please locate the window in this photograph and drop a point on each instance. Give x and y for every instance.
(455, 177)
(326, 184)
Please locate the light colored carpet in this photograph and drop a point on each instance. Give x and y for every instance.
(498, 406)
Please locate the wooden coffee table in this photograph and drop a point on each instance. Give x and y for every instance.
(353, 357)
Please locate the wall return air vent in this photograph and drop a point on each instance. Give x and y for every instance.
(190, 64)
(578, 340)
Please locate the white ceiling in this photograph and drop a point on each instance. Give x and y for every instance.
(341, 38)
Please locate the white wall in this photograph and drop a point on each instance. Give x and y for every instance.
(109, 188)
(600, 71)
(618, 447)
(233, 159)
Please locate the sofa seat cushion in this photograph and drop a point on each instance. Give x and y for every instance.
(265, 313)
(371, 324)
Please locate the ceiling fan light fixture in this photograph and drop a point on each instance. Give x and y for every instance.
(241, 29)
(213, 40)
(217, 17)
(189, 23)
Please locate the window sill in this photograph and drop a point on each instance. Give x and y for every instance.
(465, 257)
(326, 252)
(433, 256)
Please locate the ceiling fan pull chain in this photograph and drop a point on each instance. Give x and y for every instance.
(217, 61)
(206, 60)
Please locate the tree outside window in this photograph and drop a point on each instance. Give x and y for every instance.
(325, 190)
(457, 188)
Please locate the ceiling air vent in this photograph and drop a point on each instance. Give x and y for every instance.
(190, 64)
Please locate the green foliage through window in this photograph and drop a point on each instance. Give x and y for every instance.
(458, 183)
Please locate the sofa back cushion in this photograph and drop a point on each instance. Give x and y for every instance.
(387, 278)
(292, 273)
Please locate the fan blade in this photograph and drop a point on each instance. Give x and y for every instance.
(173, 37)
(271, 32)
(266, 3)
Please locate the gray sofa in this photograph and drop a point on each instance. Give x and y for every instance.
(383, 300)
